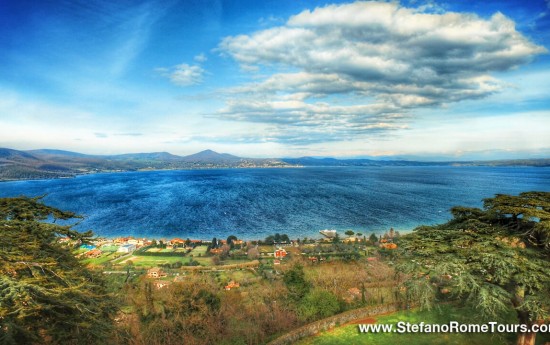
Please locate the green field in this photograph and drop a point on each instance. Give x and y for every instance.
(112, 248)
(198, 250)
(150, 261)
(105, 257)
(349, 334)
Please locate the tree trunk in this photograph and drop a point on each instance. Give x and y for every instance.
(527, 338)
(524, 338)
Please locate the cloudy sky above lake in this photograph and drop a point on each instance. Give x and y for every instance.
(462, 79)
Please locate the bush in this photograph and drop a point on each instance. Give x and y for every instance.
(318, 304)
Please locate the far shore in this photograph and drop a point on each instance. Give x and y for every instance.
(313, 236)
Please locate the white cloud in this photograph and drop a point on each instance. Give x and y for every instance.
(381, 60)
(183, 74)
(200, 58)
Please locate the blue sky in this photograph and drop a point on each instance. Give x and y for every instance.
(461, 80)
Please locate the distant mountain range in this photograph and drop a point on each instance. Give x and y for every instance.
(312, 161)
(47, 163)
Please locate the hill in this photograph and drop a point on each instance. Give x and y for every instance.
(209, 156)
(51, 163)
(48, 163)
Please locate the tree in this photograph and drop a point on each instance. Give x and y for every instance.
(253, 253)
(317, 304)
(349, 233)
(359, 234)
(296, 283)
(230, 240)
(269, 240)
(285, 238)
(373, 238)
(46, 294)
(495, 258)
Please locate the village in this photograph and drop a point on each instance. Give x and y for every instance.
(234, 261)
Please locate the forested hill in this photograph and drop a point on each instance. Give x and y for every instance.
(48, 163)
(45, 163)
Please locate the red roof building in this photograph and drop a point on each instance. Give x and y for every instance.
(280, 253)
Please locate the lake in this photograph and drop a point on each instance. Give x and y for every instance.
(254, 203)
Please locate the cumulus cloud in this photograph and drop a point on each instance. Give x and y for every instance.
(183, 74)
(363, 67)
(200, 58)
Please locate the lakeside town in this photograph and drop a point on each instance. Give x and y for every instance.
(272, 291)
(168, 261)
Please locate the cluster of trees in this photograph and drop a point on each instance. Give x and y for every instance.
(311, 303)
(496, 259)
(178, 264)
(277, 238)
(46, 294)
(161, 244)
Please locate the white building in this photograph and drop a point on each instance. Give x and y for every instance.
(126, 248)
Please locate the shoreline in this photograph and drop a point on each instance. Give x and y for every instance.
(76, 175)
(148, 170)
(292, 238)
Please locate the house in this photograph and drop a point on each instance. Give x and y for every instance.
(155, 273)
(94, 253)
(231, 285)
(177, 242)
(352, 239)
(133, 241)
(121, 240)
(388, 245)
(159, 284)
(280, 253)
(216, 251)
(126, 248)
(276, 262)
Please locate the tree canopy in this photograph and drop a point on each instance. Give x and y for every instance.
(495, 258)
(46, 294)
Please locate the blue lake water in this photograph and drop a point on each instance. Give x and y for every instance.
(254, 203)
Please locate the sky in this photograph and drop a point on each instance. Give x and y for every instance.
(278, 78)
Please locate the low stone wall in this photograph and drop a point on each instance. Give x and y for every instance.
(333, 321)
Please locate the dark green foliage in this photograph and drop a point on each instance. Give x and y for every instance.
(277, 238)
(318, 304)
(296, 283)
(373, 238)
(46, 295)
(495, 259)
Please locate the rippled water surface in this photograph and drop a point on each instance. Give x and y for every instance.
(253, 203)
